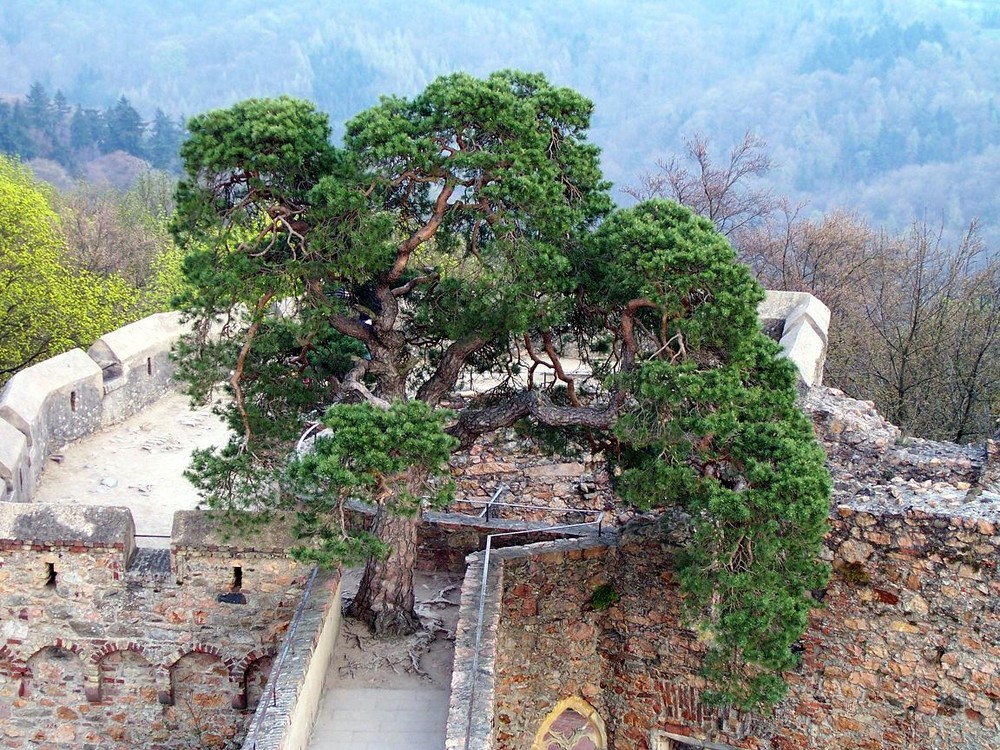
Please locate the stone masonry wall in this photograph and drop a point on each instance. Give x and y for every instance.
(904, 652)
(104, 646)
(531, 478)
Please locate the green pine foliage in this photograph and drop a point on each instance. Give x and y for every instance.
(396, 457)
(713, 428)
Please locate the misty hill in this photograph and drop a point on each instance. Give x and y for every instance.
(887, 107)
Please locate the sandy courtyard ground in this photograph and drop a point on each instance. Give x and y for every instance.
(138, 463)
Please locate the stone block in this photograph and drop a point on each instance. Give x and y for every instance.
(14, 465)
(806, 348)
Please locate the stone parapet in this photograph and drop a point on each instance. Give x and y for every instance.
(285, 716)
(75, 394)
(135, 364)
(51, 403)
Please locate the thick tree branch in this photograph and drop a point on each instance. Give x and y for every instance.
(402, 291)
(423, 234)
(628, 327)
(353, 383)
(475, 422)
(446, 374)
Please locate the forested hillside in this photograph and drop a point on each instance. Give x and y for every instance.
(64, 141)
(886, 107)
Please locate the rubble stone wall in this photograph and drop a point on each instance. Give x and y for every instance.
(103, 645)
(903, 653)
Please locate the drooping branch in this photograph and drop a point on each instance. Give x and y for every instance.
(536, 361)
(557, 366)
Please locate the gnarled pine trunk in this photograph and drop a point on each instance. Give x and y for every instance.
(385, 597)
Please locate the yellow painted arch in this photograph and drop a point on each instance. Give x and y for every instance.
(580, 706)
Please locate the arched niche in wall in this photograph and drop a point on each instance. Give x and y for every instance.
(202, 694)
(126, 676)
(572, 725)
(255, 680)
(56, 673)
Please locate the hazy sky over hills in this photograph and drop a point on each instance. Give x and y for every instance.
(887, 106)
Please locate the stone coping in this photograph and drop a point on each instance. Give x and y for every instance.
(91, 526)
(201, 530)
(155, 333)
(287, 710)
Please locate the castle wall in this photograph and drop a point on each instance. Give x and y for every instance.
(903, 653)
(75, 394)
(105, 645)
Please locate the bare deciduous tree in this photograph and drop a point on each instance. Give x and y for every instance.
(720, 192)
(915, 321)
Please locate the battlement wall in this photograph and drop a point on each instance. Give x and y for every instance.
(75, 394)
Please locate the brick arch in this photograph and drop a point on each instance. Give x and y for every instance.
(116, 677)
(240, 668)
(66, 680)
(112, 647)
(253, 667)
(65, 645)
(596, 735)
(202, 678)
(203, 648)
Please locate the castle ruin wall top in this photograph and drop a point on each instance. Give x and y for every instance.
(198, 530)
(67, 525)
(143, 338)
(56, 394)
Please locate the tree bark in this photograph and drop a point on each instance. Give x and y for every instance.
(385, 596)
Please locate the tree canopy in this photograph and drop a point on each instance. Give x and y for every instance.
(47, 307)
(469, 230)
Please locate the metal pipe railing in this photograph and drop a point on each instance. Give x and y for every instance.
(599, 522)
(490, 503)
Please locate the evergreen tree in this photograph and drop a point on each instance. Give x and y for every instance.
(86, 129)
(39, 109)
(455, 233)
(164, 143)
(14, 137)
(124, 129)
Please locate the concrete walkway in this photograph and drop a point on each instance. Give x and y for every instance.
(355, 718)
(392, 694)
